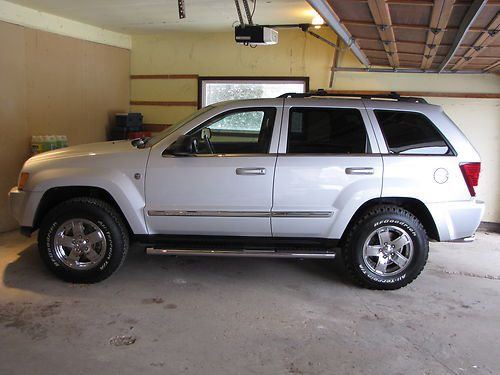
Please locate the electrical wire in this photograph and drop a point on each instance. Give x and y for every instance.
(247, 12)
(254, 6)
(238, 10)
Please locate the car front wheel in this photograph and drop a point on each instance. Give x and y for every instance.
(83, 240)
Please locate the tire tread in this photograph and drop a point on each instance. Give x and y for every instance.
(347, 255)
(62, 208)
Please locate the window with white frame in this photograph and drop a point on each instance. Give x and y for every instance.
(218, 89)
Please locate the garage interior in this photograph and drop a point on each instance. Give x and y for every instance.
(67, 67)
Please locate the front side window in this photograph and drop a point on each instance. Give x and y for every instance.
(326, 131)
(158, 137)
(247, 131)
(411, 133)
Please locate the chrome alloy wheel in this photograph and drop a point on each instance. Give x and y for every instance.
(79, 244)
(388, 251)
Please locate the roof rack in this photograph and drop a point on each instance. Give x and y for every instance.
(393, 95)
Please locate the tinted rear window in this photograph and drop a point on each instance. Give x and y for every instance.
(326, 131)
(411, 133)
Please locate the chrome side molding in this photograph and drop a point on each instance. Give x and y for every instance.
(243, 253)
(297, 214)
(209, 213)
(313, 214)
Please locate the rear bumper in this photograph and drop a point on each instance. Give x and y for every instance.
(23, 205)
(456, 220)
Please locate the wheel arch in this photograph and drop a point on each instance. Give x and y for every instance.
(56, 195)
(414, 206)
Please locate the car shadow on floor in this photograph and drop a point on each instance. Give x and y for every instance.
(28, 272)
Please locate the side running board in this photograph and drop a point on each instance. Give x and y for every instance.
(312, 254)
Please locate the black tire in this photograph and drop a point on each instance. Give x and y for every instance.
(105, 219)
(385, 219)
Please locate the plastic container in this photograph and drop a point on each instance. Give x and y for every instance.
(45, 143)
(42, 143)
(118, 133)
(52, 142)
(61, 141)
(131, 120)
(36, 144)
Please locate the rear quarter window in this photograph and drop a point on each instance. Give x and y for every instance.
(411, 133)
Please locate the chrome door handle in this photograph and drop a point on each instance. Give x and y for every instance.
(250, 171)
(359, 170)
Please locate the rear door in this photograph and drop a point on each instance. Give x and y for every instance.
(328, 165)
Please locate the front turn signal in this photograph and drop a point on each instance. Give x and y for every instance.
(23, 178)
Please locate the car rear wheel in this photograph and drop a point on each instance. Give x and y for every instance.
(387, 248)
(83, 240)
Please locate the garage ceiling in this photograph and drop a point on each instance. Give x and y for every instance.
(431, 35)
(145, 16)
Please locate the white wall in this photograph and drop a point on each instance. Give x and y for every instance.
(480, 121)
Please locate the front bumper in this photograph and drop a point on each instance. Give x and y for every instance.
(456, 220)
(23, 205)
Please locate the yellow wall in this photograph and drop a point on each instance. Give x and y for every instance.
(300, 55)
(40, 67)
(214, 54)
(479, 119)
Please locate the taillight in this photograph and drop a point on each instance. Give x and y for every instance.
(471, 175)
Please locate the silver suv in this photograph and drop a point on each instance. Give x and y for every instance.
(300, 176)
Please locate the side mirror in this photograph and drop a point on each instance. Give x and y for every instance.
(185, 145)
(206, 133)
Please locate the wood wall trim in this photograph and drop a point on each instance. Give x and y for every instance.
(164, 76)
(155, 127)
(466, 95)
(164, 104)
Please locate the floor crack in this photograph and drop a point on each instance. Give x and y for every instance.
(469, 274)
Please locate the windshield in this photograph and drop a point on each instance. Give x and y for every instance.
(158, 137)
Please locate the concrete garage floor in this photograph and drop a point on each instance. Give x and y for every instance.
(250, 316)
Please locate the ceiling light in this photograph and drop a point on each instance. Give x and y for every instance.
(317, 21)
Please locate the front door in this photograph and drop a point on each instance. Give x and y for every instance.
(225, 186)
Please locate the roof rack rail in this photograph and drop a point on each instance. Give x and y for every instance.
(393, 95)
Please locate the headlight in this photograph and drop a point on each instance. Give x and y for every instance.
(23, 178)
